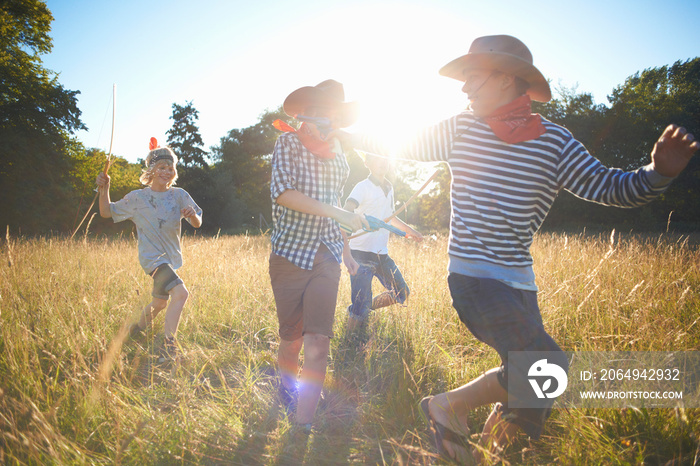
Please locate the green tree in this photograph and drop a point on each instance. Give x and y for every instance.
(577, 112)
(433, 210)
(242, 172)
(184, 137)
(124, 175)
(640, 110)
(124, 178)
(623, 135)
(37, 118)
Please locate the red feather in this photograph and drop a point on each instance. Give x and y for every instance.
(153, 144)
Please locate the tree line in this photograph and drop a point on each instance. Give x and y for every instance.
(47, 176)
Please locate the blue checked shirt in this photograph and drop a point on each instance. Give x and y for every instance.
(296, 236)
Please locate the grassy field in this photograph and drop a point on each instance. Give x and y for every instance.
(72, 393)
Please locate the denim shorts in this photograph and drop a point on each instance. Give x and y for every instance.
(164, 280)
(506, 319)
(374, 265)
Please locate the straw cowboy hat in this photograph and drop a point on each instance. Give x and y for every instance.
(502, 53)
(329, 93)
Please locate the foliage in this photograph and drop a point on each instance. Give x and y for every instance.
(184, 137)
(623, 135)
(30, 96)
(577, 112)
(432, 210)
(72, 391)
(37, 116)
(641, 109)
(242, 173)
(124, 178)
(46, 174)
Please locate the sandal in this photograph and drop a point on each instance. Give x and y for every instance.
(441, 432)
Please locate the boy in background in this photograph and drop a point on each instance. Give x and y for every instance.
(374, 196)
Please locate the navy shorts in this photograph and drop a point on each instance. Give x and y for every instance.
(164, 280)
(506, 319)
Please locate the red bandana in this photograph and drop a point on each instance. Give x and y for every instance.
(318, 147)
(515, 122)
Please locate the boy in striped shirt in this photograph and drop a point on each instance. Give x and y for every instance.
(507, 166)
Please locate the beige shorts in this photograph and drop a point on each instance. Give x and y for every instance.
(305, 299)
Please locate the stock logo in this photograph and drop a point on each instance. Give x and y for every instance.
(540, 376)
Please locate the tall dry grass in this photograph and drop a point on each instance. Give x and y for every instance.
(74, 391)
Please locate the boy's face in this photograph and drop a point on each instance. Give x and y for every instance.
(378, 166)
(485, 90)
(164, 173)
(325, 112)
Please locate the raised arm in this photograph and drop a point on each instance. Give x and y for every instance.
(102, 181)
(432, 144)
(673, 151)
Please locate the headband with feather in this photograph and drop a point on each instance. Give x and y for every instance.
(160, 153)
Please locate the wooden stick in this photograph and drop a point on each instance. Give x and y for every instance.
(108, 162)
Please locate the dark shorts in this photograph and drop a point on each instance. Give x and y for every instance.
(305, 299)
(164, 280)
(507, 319)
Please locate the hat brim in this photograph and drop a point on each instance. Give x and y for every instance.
(539, 89)
(304, 97)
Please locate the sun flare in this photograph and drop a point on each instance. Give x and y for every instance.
(388, 60)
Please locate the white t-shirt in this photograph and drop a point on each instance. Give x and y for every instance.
(373, 200)
(157, 218)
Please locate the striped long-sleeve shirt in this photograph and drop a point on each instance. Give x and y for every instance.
(502, 192)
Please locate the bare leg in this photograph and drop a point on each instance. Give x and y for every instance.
(384, 299)
(178, 298)
(288, 361)
(452, 408)
(313, 373)
(151, 311)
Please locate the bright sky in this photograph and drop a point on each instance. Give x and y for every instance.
(233, 59)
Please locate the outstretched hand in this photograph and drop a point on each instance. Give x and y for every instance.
(673, 151)
(355, 221)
